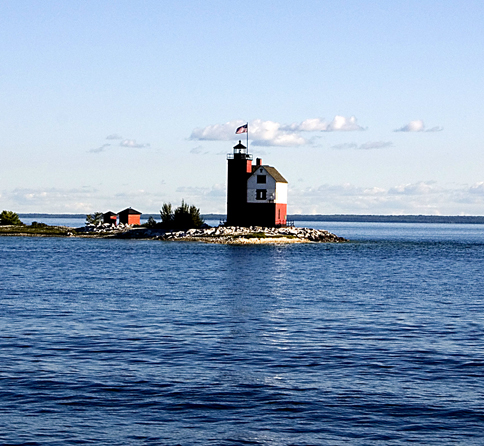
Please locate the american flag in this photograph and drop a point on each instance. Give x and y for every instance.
(242, 129)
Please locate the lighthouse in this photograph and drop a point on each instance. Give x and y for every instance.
(256, 193)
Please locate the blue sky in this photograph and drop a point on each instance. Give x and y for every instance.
(366, 107)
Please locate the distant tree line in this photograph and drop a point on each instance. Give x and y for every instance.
(457, 219)
(449, 219)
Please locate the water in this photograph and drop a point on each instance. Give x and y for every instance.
(373, 342)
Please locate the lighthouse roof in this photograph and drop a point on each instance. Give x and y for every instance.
(239, 146)
(272, 171)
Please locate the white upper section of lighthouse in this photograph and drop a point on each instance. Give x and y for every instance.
(266, 185)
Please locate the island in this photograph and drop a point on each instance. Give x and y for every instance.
(230, 235)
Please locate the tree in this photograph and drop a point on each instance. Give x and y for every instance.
(95, 218)
(166, 215)
(10, 218)
(184, 217)
(195, 217)
(151, 223)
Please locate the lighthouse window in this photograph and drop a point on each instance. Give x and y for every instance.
(260, 194)
(261, 179)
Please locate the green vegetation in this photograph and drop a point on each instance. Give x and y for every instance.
(151, 223)
(10, 218)
(36, 224)
(183, 217)
(38, 230)
(95, 218)
(166, 215)
(255, 235)
(10, 224)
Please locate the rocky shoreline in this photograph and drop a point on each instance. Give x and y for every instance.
(221, 234)
(229, 235)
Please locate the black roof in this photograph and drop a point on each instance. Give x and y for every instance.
(130, 211)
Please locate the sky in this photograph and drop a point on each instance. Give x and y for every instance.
(365, 107)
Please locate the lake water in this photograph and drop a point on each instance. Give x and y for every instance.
(379, 341)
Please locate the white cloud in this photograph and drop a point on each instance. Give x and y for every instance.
(82, 200)
(420, 188)
(477, 188)
(417, 126)
(424, 197)
(365, 146)
(132, 144)
(309, 125)
(129, 143)
(339, 123)
(52, 199)
(217, 132)
(271, 133)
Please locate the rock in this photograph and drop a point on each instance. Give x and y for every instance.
(221, 234)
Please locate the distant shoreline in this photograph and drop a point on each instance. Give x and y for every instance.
(348, 218)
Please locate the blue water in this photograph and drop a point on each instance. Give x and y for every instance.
(121, 342)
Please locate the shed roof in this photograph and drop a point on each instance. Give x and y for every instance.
(272, 171)
(130, 211)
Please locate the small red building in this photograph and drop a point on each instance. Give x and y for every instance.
(256, 194)
(129, 217)
(109, 217)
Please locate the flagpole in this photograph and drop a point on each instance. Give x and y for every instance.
(247, 137)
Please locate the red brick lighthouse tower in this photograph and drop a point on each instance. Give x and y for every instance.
(256, 194)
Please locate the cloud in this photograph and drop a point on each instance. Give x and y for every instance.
(83, 200)
(417, 126)
(420, 188)
(53, 199)
(345, 146)
(365, 146)
(129, 143)
(198, 151)
(375, 145)
(100, 149)
(216, 191)
(423, 197)
(271, 133)
(132, 144)
(338, 124)
(477, 188)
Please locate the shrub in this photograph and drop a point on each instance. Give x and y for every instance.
(10, 218)
(36, 224)
(151, 223)
(95, 218)
(184, 217)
